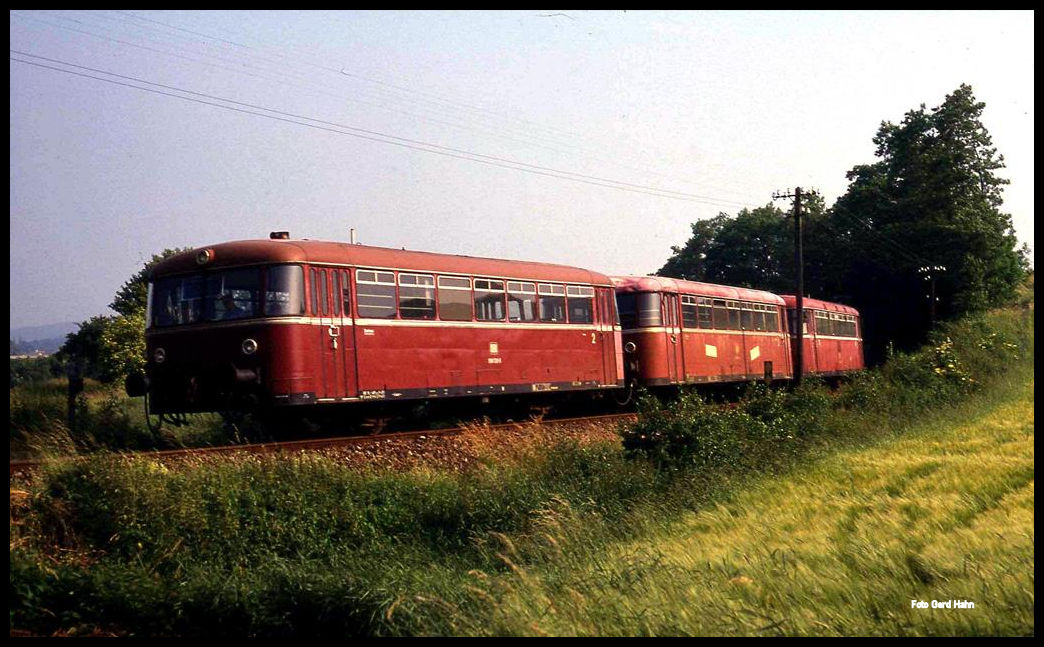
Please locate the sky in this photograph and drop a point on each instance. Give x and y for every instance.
(586, 138)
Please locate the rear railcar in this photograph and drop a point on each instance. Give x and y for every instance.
(685, 332)
(832, 336)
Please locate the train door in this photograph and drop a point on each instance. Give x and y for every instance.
(606, 335)
(672, 335)
(748, 341)
(327, 328)
(784, 338)
(342, 294)
(811, 343)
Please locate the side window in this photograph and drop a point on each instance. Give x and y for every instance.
(734, 315)
(690, 317)
(335, 290)
(489, 300)
(746, 317)
(324, 308)
(346, 293)
(607, 299)
(823, 324)
(375, 293)
(522, 301)
(314, 290)
(772, 319)
(552, 303)
(454, 298)
(759, 318)
(416, 296)
(704, 313)
(721, 315)
(627, 309)
(581, 304)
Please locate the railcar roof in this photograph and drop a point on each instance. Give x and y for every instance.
(791, 301)
(665, 284)
(253, 252)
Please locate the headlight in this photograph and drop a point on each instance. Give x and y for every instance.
(159, 355)
(630, 347)
(249, 346)
(204, 256)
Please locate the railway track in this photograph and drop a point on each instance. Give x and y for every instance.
(313, 444)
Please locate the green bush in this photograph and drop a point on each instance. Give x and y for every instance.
(766, 424)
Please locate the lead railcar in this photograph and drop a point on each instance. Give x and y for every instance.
(280, 324)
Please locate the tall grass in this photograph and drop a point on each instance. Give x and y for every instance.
(681, 537)
(104, 420)
(838, 547)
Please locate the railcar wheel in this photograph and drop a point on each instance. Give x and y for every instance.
(246, 427)
(537, 412)
(375, 424)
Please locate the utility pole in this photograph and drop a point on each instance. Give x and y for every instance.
(799, 264)
(928, 273)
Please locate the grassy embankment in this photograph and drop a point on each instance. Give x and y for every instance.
(105, 419)
(793, 514)
(838, 547)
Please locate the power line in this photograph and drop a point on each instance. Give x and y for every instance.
(341, 74)
(237, 70)
(382, 137)
(907, 255)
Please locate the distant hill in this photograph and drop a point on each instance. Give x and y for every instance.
(48, 339)
(45, 332)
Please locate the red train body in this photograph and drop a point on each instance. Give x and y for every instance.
(684, 332)
(284, 324)
(833, 336)
(296, 322)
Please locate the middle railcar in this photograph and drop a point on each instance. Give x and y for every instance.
(685, 332)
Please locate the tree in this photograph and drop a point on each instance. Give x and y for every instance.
(749, 250)
(932, 199)
(754, 249)
(108, 348)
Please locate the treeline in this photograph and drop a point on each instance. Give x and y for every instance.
(932, 200)
(26, 347)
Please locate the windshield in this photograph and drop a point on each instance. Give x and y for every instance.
(638, 309)
(226, 295)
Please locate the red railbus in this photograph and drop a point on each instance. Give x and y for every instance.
(685, 332)
(833, 336)
(287, 324)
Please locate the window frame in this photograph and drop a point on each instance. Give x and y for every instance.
(376, 280)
